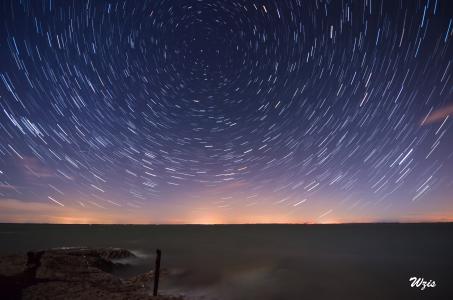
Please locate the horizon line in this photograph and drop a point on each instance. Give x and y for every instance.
(229, 224)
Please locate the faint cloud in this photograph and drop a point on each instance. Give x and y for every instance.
(445, 216)
(438, 115)
(35, 168)
(7, 186)
(17, 211)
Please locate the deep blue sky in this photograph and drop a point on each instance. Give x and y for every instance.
(226, 111)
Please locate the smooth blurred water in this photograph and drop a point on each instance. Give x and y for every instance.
(352, 261)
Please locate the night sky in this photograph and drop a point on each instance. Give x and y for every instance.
(226, 111)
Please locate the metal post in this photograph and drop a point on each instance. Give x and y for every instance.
(156, 273)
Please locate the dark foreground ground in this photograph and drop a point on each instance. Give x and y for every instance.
(72, 273)
(232, 262)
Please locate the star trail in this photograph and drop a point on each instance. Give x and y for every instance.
(226, 111)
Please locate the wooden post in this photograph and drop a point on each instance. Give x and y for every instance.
(156, 273)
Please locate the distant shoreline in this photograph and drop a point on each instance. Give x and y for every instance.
(232, 224)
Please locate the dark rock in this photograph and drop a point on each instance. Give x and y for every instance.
(106, 253)
(146, 278)
(11, 265)
(75, 273)
(83, 291)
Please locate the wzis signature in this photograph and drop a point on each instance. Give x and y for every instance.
(421, 283)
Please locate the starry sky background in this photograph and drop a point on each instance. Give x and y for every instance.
(226, 111)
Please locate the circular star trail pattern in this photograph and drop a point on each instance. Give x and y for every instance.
(337, 105)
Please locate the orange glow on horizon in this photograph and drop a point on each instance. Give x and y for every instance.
(15, 211)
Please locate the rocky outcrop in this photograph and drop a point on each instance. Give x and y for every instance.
(75, 273)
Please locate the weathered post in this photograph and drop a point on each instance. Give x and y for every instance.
(156, 273)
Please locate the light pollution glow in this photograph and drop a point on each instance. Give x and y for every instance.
(15, 211)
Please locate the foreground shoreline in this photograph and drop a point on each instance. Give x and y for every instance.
(72, 273)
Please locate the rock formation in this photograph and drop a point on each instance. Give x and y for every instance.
(72, 273)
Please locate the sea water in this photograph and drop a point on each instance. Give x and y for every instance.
(350, 261)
